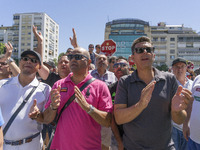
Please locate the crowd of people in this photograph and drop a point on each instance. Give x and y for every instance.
(98, 102)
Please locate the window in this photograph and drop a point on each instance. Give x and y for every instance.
(172, 51)
(155, 39)
(172, 45)
(162, 39)
(172, 57)
(172, 39)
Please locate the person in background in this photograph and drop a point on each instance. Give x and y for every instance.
(50, 65)
(147, 100)
(111, 62)
(98, 49)
(8, 66)
(92, 54)
(121, 68)
(179, 69)
(69, 51)
(108, 77)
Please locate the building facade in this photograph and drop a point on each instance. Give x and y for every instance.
(22, 38)
(124, 32)
(170, 41)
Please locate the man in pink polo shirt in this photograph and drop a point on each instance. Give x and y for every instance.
(80, 123)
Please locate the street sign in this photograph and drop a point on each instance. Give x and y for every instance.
(108, 47)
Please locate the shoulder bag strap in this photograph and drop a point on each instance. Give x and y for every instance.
(73, 97)
(18, 110)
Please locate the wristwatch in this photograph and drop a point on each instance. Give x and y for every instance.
(91, 109)
(9, 60)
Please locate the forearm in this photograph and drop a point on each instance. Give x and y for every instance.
(179, 117)
(47, 116)
(14, 68)
(44, 72)
(116, 131)
(1, 139)
(101, 117)
(124, 115)
(188, 110)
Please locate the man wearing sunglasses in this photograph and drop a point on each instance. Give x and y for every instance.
(120, 69)
(79, 125)
(147, 100)
(23, 133)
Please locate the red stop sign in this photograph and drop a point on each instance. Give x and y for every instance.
(108, 47)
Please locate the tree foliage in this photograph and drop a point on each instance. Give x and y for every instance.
(2, 48)
(162, 67)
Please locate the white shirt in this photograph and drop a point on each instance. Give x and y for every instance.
(188, 85)
(12, 95)
(195, 119)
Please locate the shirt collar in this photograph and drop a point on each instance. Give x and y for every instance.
(15, 80)
(158, 75)
(68, 78)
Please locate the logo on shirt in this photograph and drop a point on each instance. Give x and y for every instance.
(198, 89)
(64, 89)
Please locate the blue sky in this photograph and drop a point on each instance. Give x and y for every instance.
(89, 17)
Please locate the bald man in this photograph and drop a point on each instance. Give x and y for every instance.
(79, 126)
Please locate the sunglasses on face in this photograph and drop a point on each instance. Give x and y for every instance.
(122, 65)
(31, 59)
(76, 56)
(140, 50)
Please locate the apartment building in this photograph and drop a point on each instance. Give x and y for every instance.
(21, 36)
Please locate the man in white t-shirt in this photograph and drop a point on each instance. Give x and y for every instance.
(179, 69)
(191, 127)
(23, 133)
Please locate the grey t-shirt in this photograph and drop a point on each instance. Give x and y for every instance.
(151, 130)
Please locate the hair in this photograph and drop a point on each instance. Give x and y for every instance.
(121, 57)
(61, 56)
(139, 40)
(90, 45)
(97, 45)
(69, 49)
(112, 58)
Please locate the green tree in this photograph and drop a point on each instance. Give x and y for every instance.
(2, 47)
(55, 61)
(162, 67)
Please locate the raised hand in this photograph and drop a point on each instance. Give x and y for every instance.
(37, 34)
(80, 99)
(34, 110)
(74, 40)
(181, 99)
(9, 49)
(146, 94)
(55, 97)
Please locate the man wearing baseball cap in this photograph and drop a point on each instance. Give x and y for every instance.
(179, 68)
(23, 132)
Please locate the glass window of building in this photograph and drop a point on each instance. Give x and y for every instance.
(172, 39)
(172, 57)
(172, 51)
